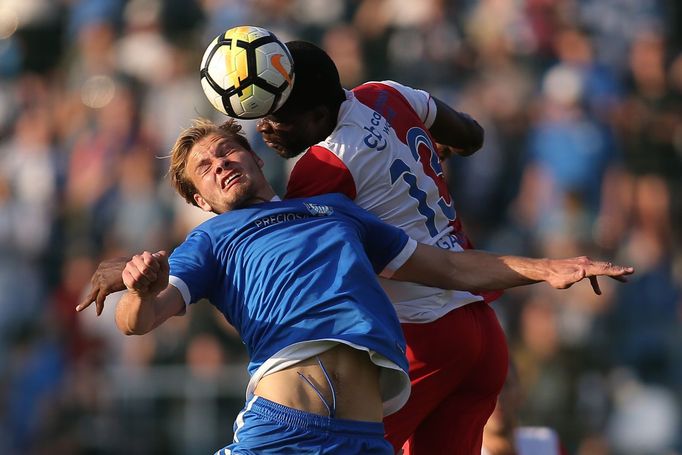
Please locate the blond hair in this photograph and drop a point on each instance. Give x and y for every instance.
(200, 129)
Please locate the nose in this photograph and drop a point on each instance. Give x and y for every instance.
(221, 166)
(264, 126)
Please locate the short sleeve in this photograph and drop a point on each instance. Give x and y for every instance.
(386, 246)
(192, 267)
(420, 100)
(400, 259)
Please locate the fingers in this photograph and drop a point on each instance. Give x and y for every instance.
(99, 302)
(146, 266)
(87, 300)
(97, 295)
(576, 269)
(444, 151)
(108, 277)
(164, 268)
(608, 269)
(134, 280)
(595, 285)
(616, 272)
(161, 254)
(142, 270)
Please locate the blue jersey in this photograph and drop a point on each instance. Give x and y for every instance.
(286, 272)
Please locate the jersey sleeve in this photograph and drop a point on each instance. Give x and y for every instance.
(317, 172)
(386, 246)
(192, 267)
(420, 100)
(400, 259)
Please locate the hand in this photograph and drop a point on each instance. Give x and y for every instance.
(106, 280)
(446, 151)
(147, 273)
(564, 273)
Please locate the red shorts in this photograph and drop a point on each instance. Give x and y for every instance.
(458, 365)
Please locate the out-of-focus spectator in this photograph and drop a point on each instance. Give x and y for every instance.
(649, 115)
(344, 46)
(581, 101)
(568, 155)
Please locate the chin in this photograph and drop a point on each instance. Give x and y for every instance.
(290, 153)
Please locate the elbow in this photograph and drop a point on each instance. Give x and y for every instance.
(476, 140)
(126, 330)
(473, 135)
(479, 138)
(129, 331)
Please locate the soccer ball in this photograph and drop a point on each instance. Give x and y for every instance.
(247, 72)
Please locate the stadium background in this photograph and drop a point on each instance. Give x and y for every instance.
(581, 101)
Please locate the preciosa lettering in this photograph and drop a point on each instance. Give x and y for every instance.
(279, 218)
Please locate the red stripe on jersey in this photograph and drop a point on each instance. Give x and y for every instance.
(319, 171)
(393, 106)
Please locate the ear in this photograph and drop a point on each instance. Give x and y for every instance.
(320, 114)
(322, 120)
(201, 202)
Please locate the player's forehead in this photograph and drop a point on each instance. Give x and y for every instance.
(287, 116)
(213, 145)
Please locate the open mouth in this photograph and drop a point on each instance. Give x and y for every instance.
(231, 178)
(273, 143)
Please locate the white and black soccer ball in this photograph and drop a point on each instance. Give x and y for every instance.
(247, 72)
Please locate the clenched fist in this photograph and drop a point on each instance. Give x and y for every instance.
(146, 273)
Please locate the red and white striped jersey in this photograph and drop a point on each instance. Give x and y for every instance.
(382, 156)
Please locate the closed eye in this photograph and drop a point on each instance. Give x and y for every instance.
(224, 149)
(203, 167)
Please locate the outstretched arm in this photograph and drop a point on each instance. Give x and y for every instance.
(455, 132)
(150, 300)
(473, 270)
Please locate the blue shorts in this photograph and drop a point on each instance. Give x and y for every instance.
(265, 427)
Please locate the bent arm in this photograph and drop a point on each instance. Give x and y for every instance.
(138, 314)
(456, 130)
(474, 270)
(150, 300)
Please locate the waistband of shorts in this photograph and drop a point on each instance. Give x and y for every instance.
(310, 421)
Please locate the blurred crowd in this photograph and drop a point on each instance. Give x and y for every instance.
(581, 101)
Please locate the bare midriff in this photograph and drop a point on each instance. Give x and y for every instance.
(354, 377)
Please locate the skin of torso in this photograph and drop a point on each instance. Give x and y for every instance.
(355, 379)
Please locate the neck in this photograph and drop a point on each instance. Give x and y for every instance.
(333, 119)
(265, 195)
(328, 121)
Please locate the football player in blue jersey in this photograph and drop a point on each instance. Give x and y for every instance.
(296, 278)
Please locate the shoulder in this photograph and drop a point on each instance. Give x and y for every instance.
(388, 89)
(221, 226)
(395, 101)
(330, 199)
(329, 204)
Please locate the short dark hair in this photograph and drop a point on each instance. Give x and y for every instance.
(316, 80)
